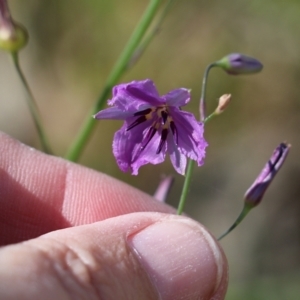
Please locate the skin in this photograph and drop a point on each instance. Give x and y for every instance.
(68, 232)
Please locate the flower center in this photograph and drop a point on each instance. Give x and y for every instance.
(162, 123)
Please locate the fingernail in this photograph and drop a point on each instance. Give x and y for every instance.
(181, 259)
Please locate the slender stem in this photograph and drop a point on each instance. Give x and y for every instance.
(191, 164)
(144, 44)
(203, 92)
(117, 71)
(86, 129)
(32, 105)
(239, 219)
(210, 117)
(186, 185)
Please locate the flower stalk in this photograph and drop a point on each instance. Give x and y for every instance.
(188, 179)
(234, 64)
(191, 165)
(202, 106)
(147, 40)
(239, 219)
(13, 37)
(186, 186)
(32, 105)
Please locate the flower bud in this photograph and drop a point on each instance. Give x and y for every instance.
(223, 103)
(238, 64)
(256, 192)
(13, 36)
(163, 188)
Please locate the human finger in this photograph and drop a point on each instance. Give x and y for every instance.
(135, 256)
(40, 193)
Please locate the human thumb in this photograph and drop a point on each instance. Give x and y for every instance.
(135, 256)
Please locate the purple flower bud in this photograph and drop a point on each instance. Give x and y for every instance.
(256, 191)
(163, 189)
(238, 64)
(13, 36)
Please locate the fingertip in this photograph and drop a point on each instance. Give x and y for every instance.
(182, 260)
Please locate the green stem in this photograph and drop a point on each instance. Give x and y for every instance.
(190, 167)
(186, 185)
(117, 71)
(32, 105)
(144, 44)
(203, 92)
(187, 181)
(239, 219)
(210, 117)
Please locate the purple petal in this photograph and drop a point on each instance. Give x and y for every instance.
(190, 135)
(163, 189)
(124, 145)
(178, 159)
(112, 113)
(178, 97)
(127, 147)
(144, 96)
(136, 95)
(149, 155)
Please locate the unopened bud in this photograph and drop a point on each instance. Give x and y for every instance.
(163, 189)
(223, 103)
(238, 64)
(13, 36)
(256, 192)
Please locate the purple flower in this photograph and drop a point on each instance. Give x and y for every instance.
(256, 191)
(154, 125)
(238, 64)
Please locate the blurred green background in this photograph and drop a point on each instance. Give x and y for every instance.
(72, 47)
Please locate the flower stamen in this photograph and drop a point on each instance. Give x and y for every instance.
(138, 121)
(163, 139)
(144, 116)
(143, 112)
(164, 116)
(174, 131)
(149, 135)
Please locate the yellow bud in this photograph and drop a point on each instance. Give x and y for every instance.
(223, 103)
(13, 38)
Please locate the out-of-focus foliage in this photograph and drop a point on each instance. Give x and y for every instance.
(72, 47)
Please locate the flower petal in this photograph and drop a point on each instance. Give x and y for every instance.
(112, 113)
(136, 95)
(190, 135)
(178, 159)
(149, 154)
(124, 144)
(127, 147)
(178, 97)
